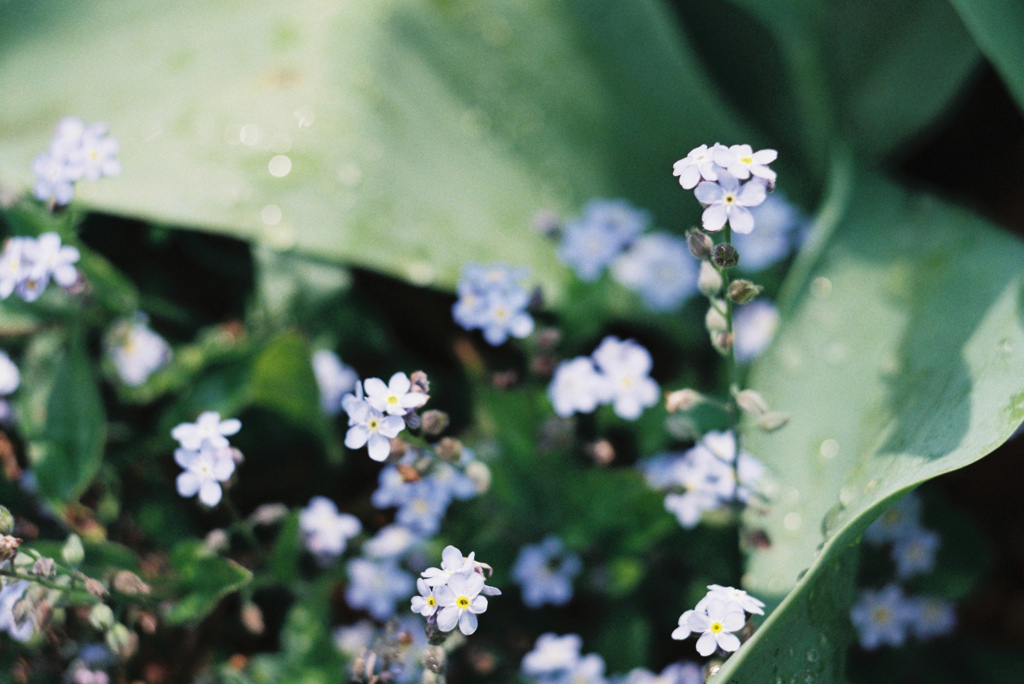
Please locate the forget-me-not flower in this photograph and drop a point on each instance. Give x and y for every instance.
(593, 241)
(394, 398)
(334, 379)
(96, 154)
(492, 300)
(698, 164)
(587, 670)
(660, 268)
(425, 604)
(11, 593)
(375, 586)
(423, 507)
(626, 366)
(881, 617)
(452, 563)
(742, 162)
(915, 553)
(930, 617)
(391, 541)
(205, 470)
(208, 429)
(552, 655)
(779, 228)
(136, 351)
(545, 572)
(577, 387)
(728, 201)
(460, 602)
(754, 326)
(901, 520)
(371, 428)
(326, 531)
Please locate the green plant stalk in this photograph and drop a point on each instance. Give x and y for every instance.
(39, 580)
(732, 371)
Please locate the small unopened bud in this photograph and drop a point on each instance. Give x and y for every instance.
(122, 641)
(269, 514)
(234, 454)
(682, 400)
(725, 256)
(129, 584)
(506, 379)
(449, 449)
(8, 547)
(602, 452)
(480, 474)
(73, 552)
(252, 618)
(44, 567)
(6, 521)
(435, 422)
(408, 472)
(709, 282)
(714, 320)
(147, 622)
(434, 659)
(413, 421)
(743, 291)
(93, 586)
(547, 223)
(722, 341)
(773, 420)
(751, 402)
(216, 540)
(700, 243)
(101, 617)
(548, 338)
(420, 382)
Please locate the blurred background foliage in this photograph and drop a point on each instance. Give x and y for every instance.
(315, 174)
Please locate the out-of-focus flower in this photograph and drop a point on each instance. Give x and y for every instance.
(208, 430)
(754, 327)
(375, 586)
(901, 520)
(545, 572)
(587, 670)
(779, 227)
(577, 387)
(333, 378)
(607, 227)
(915, 553)
(10, 378)
(882, 617)
(552, 655)
(136, 351)
(660, 269)
(491, 299)
(11, 593)
(326, 531)
(626, 365)
(391, 541)
(205, 470)
(352, 639)
(733, 595)
(729, 202)
(930, 617)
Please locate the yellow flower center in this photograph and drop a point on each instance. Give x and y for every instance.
(392, 399)
(716, 627)
(880, 615)
(729, 198)
(462, 602)
(747, 160)
(431, 602)
(373, 424)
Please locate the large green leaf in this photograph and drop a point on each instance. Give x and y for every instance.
(899, 359)
(998, 27)
(62, 415)
(418, 135)
(203, 579)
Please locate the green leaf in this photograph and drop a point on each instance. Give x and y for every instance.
(62, 415)
(284, 562)
(203, 579)
(998, 28)
(898, 360)
(418, 135)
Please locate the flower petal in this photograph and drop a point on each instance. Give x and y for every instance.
(706, 645)
(356, 436)
(188, 484)
(210, 493)
(714, 217)
(447, 618)
(399, 384)
(728, 642)
(741, 220)
(467, 623)
(708, 192)
(230, 426)
(375, 387)
(379, 447)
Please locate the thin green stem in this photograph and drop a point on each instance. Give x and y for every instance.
(38, 580)
(730, 361)
(242, 525)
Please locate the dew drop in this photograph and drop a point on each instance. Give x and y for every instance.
(829, 449)
(271, 214)
(821, 288)
(280, 166)
(792, 521)
(1006, 345)
(812, 656)
(304, 116)
(249, 134)
(847, 495)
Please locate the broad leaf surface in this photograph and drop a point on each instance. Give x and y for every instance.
(899, 359)
(417, 135)
(998, 28)
(203, 579)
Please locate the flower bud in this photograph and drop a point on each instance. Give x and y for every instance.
(699, 242)
(101, 617)
(548, 338)
(434, 659)
(434, 422)
(6, 521)
(73, 552)
(8, 547)
(751, 402)
(722, 341)
(43, 567)
(122, 641)
(725, 256)
(480, 474)
(269, 514)
(682, 400)
(216, 540)
(420, 382)
(449, 449)
(773, 420)
(252, 618)
(714, 320)
(709, 282)
(129, 584)
(602, 452)
(743, 291)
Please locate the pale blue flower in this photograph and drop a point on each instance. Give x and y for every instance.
(591, 243)
(676, 673)
(452, 481)
(391, 490)
(13, 267)
(577, 387)
(492, 300)
(915, 553)
(205, 470)
(931, 617)
(779, 224)
(325, 531)
(53, 179)
(901, 520)
(460, 602)
(334, 379)
(136, 351)
(660, 268)
(96, 154)
(423, 508)
(9, 595)
(587, 670)
(552, 655)
(394, 398)
(391, 541)
(625, 367)
(208, 430)
(728, 201)
(754, 327)
(10, 377)
(882, 617)
(545, 572)
(505, 316)
(376, 586)
(370, 428)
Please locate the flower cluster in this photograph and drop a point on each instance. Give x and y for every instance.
(617, 373)
(325, 531)
(545, 572)
(18, 629)
(376, 585)
(716, 617)
(397, 647)
(136, 351)
(781, 228)
(492, 299)
(886, 616)
(714, 173)
(557, 660)
(28, 264)
(453, 594)
(704, 478)
(377, 413)
(10, 379)
(334, 379)
(206, 456)
(656, 266)
(422, 489)
(77, 152)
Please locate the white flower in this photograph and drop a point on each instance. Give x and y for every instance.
(10, 595)
(460, 603)
(205, 469)
(371, 428)
(577, 387)
(721, 444)
(390, 541)
(12, 266)
(915, 553)
(699, 163)
(930, 617)
(552, 654)
(627, 366)
(376, 586)
(208, 429)
(333, 378)
(732, 595)
(728, 201)
(394, 398)
(326, 531)
(587, 670)
(136, 351)
(96, 155)
(352, 639)
(683, 631)
(49, 258)
(452, 563)
(741, 161)
(881, 617)
(690, 506)
(425, 604)
(718, 621)
(754, 327)
(10, 378)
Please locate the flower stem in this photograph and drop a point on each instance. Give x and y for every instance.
(38, 580)
(242, 525)
(732, 372)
